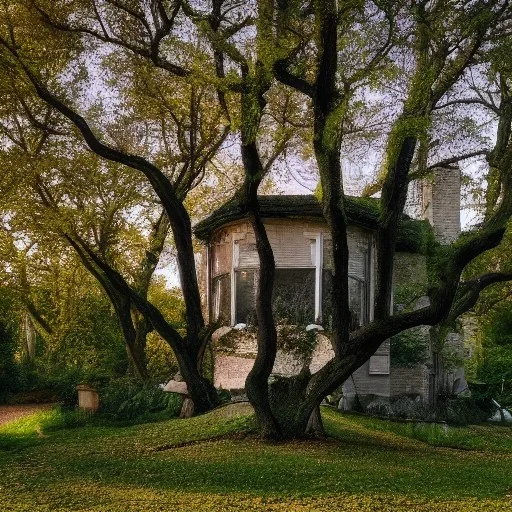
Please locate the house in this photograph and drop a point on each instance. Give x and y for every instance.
(301, 243)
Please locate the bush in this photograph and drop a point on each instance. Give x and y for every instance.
(128, 400)
(411, 408)
(379, 408)
(409, 348)
(462, 411)
(160, 358)
(9, 371)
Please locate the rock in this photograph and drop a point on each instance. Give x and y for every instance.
(176, 386)
(501, 416)
(187, 409)
(221, 331)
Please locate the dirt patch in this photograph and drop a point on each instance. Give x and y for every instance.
(13, 412)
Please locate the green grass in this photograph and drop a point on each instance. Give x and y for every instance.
(214, 462)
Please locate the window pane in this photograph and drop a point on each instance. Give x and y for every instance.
(293, 299)
(222, 298)
(245, 296)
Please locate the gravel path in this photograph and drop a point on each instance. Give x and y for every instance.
(13, 412)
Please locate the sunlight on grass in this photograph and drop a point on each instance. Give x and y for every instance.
(26, 430)
(465, 438)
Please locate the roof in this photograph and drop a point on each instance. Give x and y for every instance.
(361, 211)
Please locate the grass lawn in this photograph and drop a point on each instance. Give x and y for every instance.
(214, 462)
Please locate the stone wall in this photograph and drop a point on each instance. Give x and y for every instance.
(410, 381)
(235, 351)
(231, 371)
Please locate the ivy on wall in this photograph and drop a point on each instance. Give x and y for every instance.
(409, 348)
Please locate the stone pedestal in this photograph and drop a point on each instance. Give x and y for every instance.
(88, 398)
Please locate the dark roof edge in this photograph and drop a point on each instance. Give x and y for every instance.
(361, 211)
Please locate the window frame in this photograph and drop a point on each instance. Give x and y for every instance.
(318, 238)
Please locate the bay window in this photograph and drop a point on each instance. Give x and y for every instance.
(302, 292)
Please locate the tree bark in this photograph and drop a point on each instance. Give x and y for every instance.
(315, 426)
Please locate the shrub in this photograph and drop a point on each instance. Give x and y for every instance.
(379, 408)
(409, 348)
(9, 371)
(160, 358)
(462, 411)
(407, 407)
(127, 400)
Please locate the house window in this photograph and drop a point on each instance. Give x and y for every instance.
(356, 300)
(303, 280)
(245, 294)
(293, 300)
(358, 287)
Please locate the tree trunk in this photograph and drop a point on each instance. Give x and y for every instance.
(315, 426)
(30, 338)
(257, 380)
(187, 409)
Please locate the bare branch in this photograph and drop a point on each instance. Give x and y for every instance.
(147, 53)
(469, 101)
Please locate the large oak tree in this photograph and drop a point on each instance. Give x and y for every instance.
(338, 56)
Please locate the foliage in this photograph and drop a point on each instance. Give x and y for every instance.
(91, 341)
(9, 371)
(212, 462)
(128, 400)
(295, 339)
(409, 348)
(448, 409)
(493, 355)
(463, 411)
(87, 348)
(162, 364)
(9, 366)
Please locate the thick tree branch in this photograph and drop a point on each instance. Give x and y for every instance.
(283, 74)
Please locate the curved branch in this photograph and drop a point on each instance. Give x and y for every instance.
(469, 101)
(287, 78)
(470, 291)
(147, 53)
(446, 163)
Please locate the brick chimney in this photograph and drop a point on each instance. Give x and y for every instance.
(441, 203)
(437, 199)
